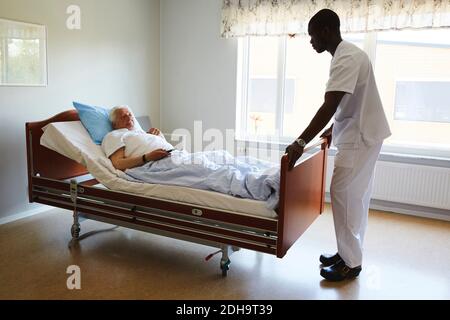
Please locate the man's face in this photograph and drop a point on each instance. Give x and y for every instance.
(318, 41)
(124, 119)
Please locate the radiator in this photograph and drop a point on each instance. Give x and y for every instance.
(402, 183)
(413, 184)
(408, 184)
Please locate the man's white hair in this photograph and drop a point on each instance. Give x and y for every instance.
(113, 113)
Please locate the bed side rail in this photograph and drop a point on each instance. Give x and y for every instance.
(255, 233)
(302, 195)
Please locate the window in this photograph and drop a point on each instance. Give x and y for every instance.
(427, 101)
(282, 83)
(262, 86)
(412, 70)
(22, 54)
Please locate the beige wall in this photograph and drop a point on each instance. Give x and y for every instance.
(198, 67)
(113, 59)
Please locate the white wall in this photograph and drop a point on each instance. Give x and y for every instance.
(198, 67)
(113, 59)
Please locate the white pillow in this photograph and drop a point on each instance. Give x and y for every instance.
(70, 139)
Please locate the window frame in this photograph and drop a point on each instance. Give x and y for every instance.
(370, 42)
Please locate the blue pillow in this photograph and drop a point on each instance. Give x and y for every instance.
(95, 120)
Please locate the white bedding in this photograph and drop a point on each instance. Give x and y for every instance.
(73, 141)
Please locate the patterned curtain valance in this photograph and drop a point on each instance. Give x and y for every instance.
(281, 17)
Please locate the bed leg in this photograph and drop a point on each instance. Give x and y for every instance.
(225, 261)
(75, 230)
(226, 251)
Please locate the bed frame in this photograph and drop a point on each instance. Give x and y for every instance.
(58, 181)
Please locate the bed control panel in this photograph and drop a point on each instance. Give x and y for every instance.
(73, 190)
(197, 212)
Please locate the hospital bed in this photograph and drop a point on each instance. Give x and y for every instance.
(58, 181)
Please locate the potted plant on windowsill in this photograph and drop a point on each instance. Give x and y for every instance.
(256, 118)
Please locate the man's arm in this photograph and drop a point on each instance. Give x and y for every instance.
(121, 162)
(322, 117)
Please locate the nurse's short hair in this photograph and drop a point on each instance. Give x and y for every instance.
(325, 18)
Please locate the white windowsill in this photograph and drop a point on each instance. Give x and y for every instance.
(388, 156)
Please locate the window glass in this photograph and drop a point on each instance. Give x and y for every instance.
(308, 71)
(262, 85)
(427, 101)
(355, 38)
(413, 72)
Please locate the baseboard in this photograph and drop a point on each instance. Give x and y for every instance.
(25, 214)
(408, 209)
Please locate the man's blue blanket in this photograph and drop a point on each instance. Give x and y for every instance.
(219, 171)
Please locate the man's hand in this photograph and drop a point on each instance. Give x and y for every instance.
(154, 131)
(294, 152)
(328, 134)
(156, 155)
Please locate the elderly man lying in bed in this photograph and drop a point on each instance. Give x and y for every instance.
(127, 147)
(144, 157)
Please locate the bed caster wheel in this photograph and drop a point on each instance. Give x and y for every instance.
(73, 244)
(75, 231)
(225, 266)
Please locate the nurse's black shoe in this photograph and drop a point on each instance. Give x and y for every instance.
(339, 272)
(328, 259)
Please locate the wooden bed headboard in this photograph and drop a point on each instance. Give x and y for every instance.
(48, 163)
(45, 162)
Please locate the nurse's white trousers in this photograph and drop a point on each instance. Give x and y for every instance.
(351, 189)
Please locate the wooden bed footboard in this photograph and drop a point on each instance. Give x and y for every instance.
(301, 201)
(302, 195)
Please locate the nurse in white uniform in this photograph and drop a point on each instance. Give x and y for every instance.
(358, 131)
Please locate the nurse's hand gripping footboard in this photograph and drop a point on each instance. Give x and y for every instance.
(302, 193)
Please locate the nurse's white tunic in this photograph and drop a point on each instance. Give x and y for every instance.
(359, 129)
